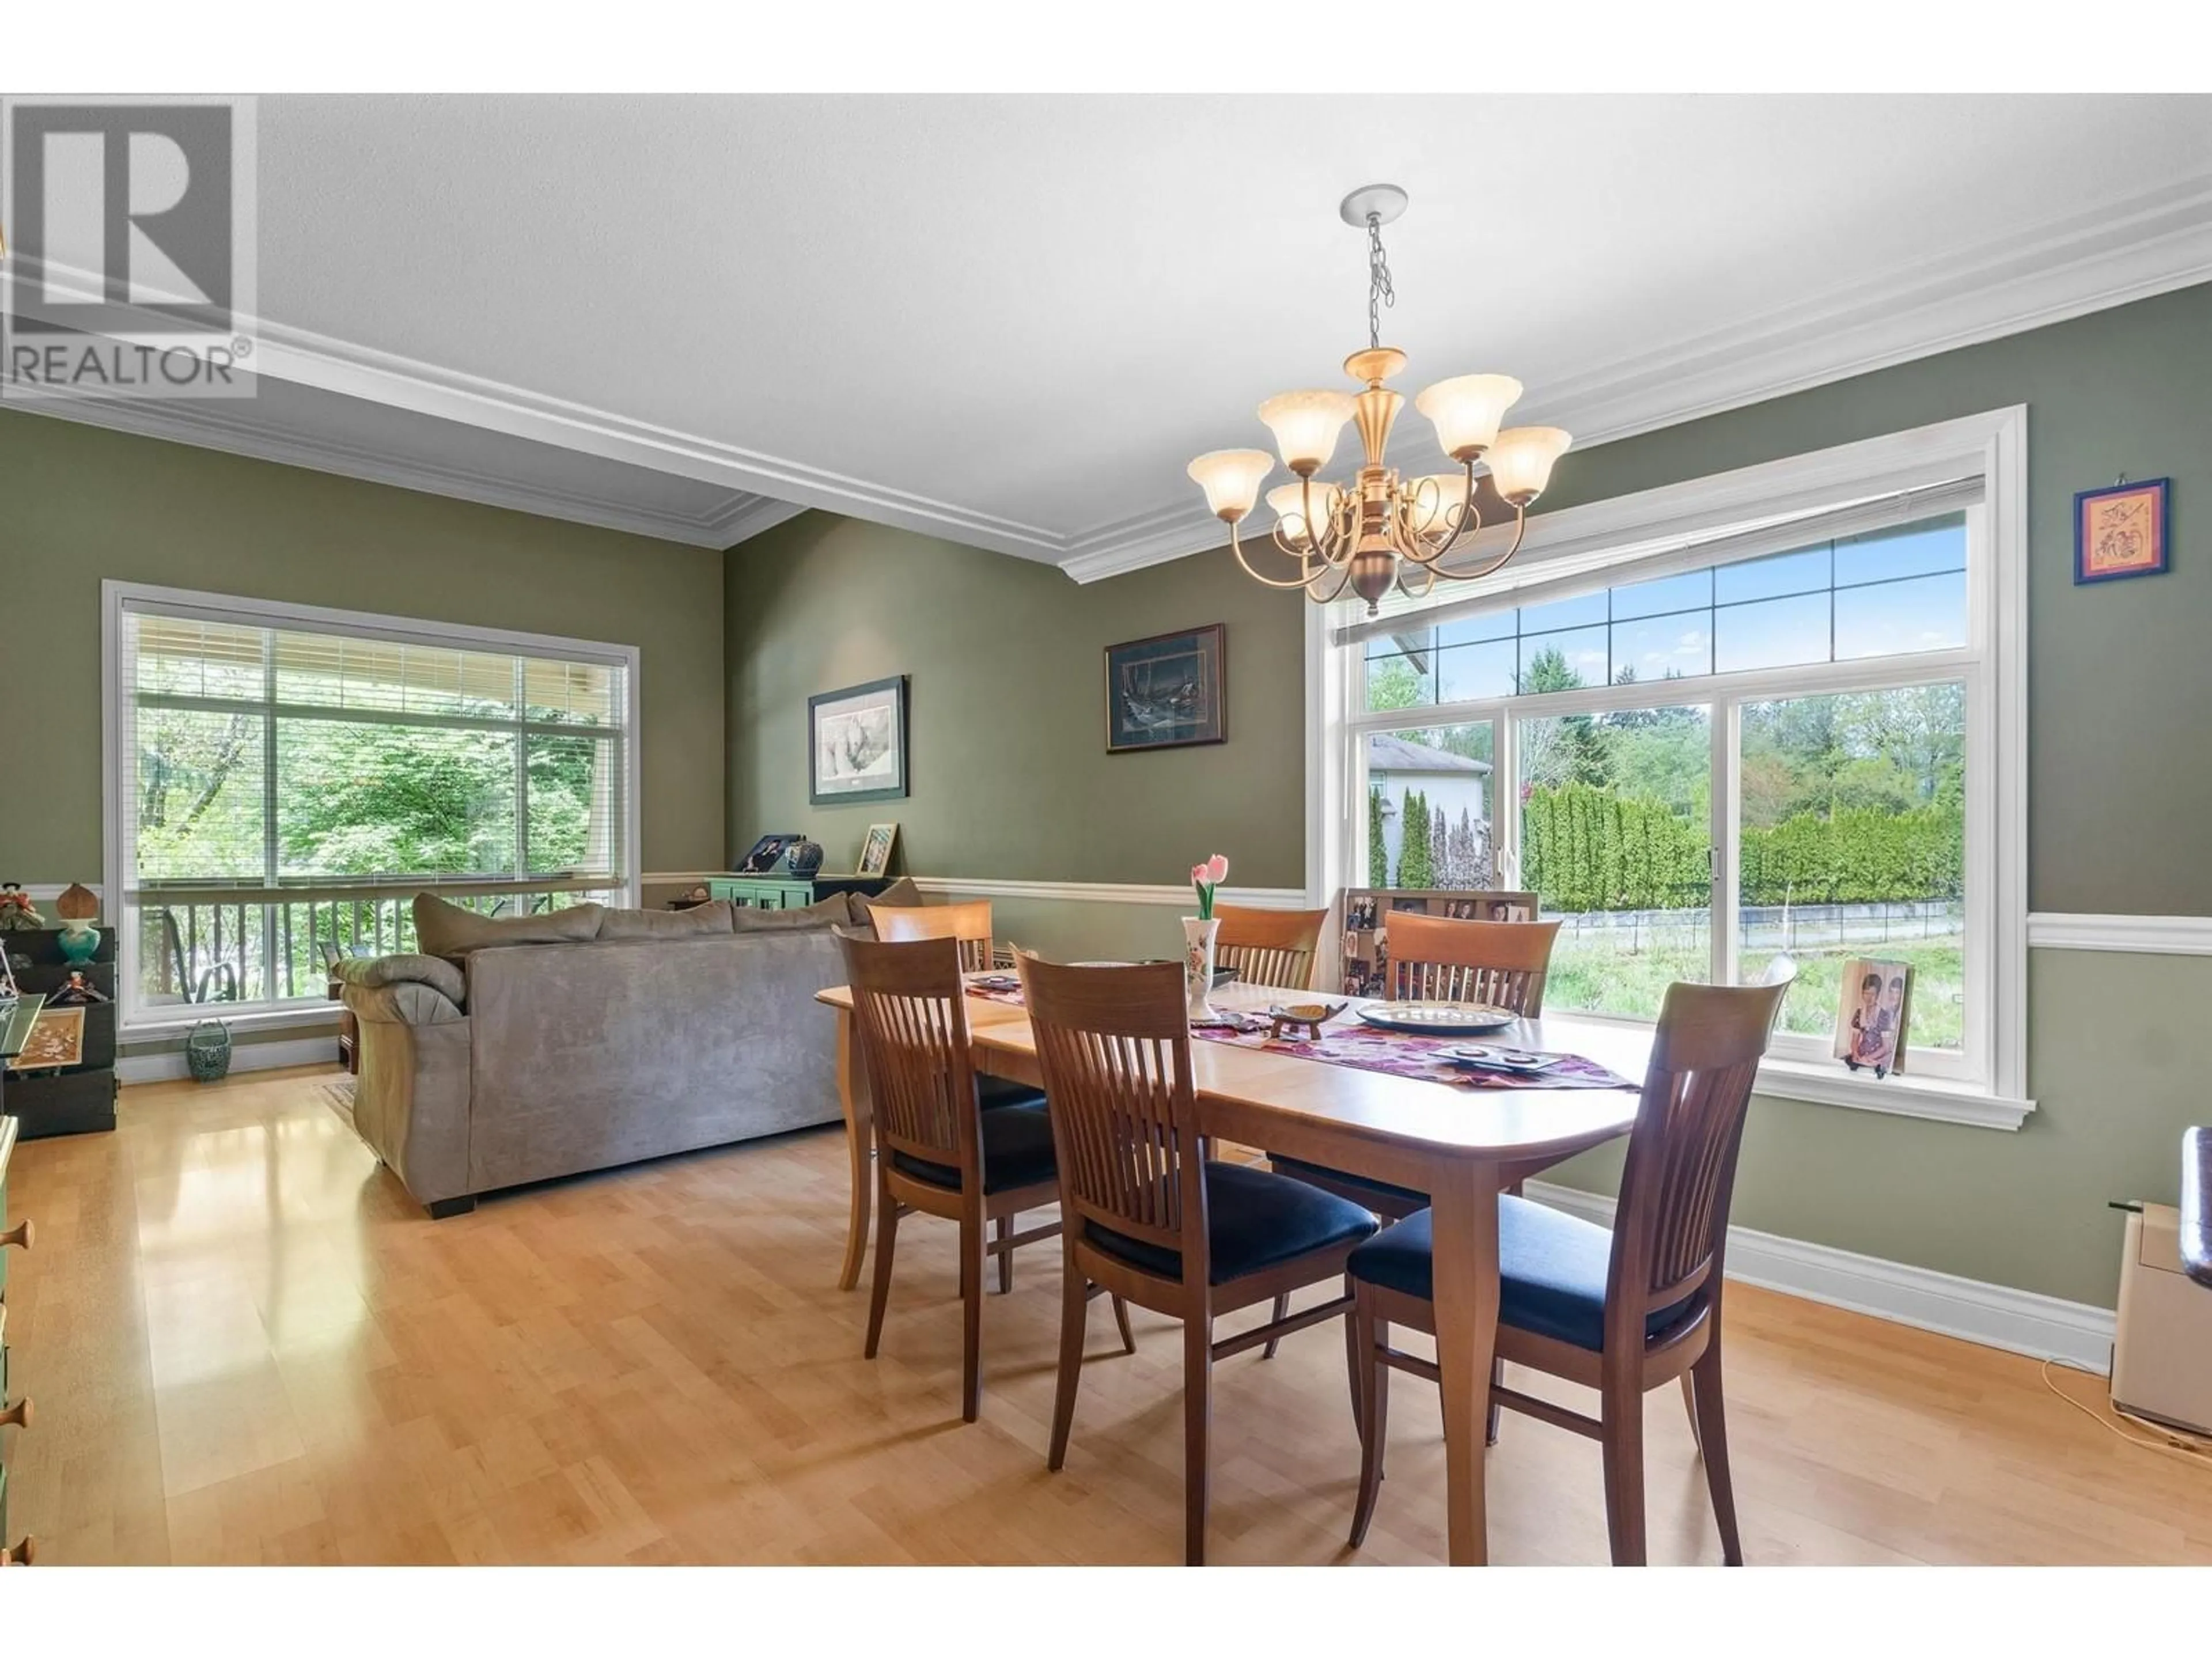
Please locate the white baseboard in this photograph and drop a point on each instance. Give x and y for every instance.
(168, 1066)
(1995, 1316)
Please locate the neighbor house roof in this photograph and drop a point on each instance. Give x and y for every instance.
(1388, 753)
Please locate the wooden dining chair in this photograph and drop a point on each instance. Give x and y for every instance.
(1436, 959)
(1625, 1310)
(1439, 959)
(1147, 1214)
(938, 1152)
(970, 923)
(1269, 947)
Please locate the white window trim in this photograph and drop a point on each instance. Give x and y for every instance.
(139, 1023)
(1574, 542)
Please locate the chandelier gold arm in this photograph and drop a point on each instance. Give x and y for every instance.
(1465, 519)
(1236, 546)
(1343, 580)
(1520, 529)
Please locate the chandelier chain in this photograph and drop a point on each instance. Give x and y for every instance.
(1379, 292)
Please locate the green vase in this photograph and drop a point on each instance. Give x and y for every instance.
(80, 942)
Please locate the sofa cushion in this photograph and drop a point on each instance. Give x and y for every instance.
(447, 930)
(1254, 1220)
(370, 972)
(713, 920)
(832, 912)
(1551, 1270)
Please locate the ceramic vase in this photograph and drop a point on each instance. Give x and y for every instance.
(79, 943)
(1198, 965)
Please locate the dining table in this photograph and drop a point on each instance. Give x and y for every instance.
(1460, 1143)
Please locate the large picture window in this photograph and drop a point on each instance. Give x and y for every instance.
(283, 782)
(1789, 734)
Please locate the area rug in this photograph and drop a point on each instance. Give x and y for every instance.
(337, 1094)
(57, 1039)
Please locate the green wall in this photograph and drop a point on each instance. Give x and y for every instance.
(79, 504)
(1011, 778)
(2120, 793)
(2120, 798)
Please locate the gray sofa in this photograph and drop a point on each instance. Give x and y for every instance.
(519, 1051)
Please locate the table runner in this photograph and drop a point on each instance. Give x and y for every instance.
(1348, 1040)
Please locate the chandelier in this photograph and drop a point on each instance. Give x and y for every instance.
(1380, 529)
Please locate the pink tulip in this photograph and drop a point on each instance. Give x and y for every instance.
(1216, 869)
(1198, 875)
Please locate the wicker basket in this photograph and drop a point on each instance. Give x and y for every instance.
(207, 1051)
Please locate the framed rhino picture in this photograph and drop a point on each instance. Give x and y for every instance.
(856, 743)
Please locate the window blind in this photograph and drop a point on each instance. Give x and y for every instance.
(314, 758)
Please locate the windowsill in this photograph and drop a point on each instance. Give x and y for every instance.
(1938, 1100)
(1824, 1083)
(176, 1021)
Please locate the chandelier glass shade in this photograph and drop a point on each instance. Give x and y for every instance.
(1380, 530)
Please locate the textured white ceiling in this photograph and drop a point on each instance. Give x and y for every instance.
(1036, 310)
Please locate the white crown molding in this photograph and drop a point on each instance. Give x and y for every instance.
(2127, 248)
(206, 424)
(1995, 1316)
(1107, 892)
(310, 359)
(2157, 936)
(744, 517)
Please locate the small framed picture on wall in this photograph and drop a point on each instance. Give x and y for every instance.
(2120, 531)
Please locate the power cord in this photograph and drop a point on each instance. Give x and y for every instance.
(2172, 1441)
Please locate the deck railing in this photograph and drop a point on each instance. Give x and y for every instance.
(237, 951)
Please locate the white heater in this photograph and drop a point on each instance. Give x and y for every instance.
(2163, 1342)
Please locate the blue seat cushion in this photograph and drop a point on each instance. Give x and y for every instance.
(1017, 1153)
(1551, 1269)
(992, 1092)
(1398, 1196)
(1255, 1219)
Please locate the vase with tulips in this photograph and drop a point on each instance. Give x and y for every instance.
(1198, 937)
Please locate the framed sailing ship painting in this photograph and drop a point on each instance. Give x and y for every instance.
(1168, 691)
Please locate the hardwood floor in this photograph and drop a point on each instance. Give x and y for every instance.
(247, 1345)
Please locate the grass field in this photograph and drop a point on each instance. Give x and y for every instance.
(1599, 972)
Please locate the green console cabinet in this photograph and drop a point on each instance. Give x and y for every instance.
(774, 892)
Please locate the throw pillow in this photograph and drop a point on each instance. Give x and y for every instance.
(713, 919)
(447, 930)
(900, 892)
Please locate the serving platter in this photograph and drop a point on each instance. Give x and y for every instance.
(1437, 1019)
